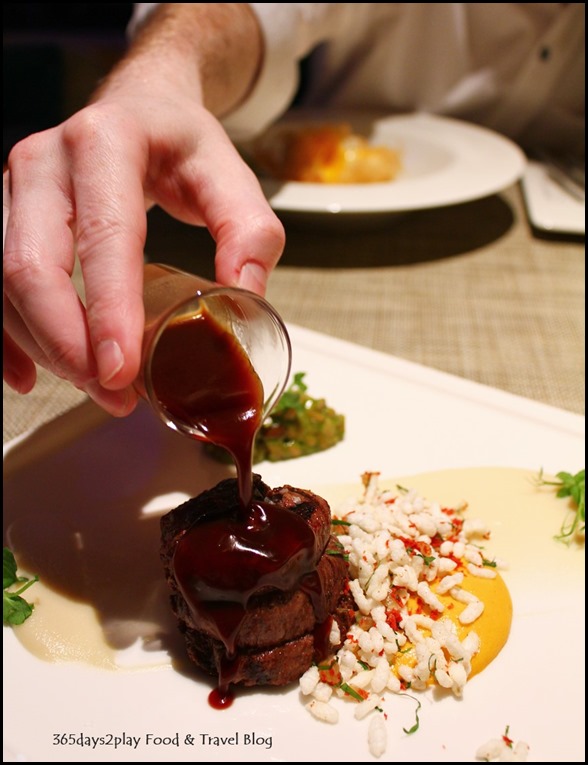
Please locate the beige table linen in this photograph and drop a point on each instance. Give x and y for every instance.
(468, 289)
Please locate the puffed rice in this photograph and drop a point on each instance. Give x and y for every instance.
(403, 550)
(377, 735)
(323, 711)
(503, 750)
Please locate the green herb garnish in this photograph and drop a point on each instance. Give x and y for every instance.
(351, 692)
(336, 548)
(293, 397)
(15, 608)
(415, 727)
(506, 738)
(338, 554)
(428, 559)
(297, 425)
(572, 486)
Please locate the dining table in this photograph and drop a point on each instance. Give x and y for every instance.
(451, 338)
(470, 289)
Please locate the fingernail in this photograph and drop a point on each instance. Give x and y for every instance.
(119, 403)
(19, 382)
(110, 360)
(253, 277)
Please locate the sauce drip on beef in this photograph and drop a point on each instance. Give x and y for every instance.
(202, 375)
(221, 564)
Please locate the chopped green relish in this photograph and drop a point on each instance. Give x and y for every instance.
(298, 425)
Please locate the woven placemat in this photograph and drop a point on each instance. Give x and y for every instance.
(468, 290)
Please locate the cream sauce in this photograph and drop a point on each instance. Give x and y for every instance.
(62, 630)
(65, 630)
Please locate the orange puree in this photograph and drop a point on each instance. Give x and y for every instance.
(492, 627)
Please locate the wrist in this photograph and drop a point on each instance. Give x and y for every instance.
(150, 69)
(208, 52)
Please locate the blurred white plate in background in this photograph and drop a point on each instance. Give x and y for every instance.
(444, 162)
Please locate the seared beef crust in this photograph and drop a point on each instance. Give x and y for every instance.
(276, 642)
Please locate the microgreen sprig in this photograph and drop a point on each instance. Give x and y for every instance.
(573, 486)
(292, 397)
(15, 609)
(416, 726)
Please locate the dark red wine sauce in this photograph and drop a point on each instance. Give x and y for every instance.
(220, 564)
(202, 377)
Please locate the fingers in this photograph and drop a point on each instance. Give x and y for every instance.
(110, 230)
(79, 183)
(219, 189)
(19, 371)
(42, 311)
(250, 238)
(82, 187)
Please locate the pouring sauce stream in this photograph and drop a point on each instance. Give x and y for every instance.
(202, 376)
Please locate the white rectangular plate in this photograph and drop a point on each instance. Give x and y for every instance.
(88, 490)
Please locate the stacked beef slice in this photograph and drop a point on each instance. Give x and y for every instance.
(277, 640)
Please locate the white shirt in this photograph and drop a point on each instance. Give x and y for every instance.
(517, 68)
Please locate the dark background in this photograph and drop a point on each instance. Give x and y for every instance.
(54, 54)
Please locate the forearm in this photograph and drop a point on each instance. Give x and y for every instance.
(211, 52)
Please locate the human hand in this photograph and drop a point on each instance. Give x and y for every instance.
(83, 188)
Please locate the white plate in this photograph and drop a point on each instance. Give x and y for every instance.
(85, 475)
(549, 206)
(445, 162)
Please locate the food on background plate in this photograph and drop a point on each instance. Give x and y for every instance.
(299, 424)
(257, 597)
(431, 607)
(329, 153)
